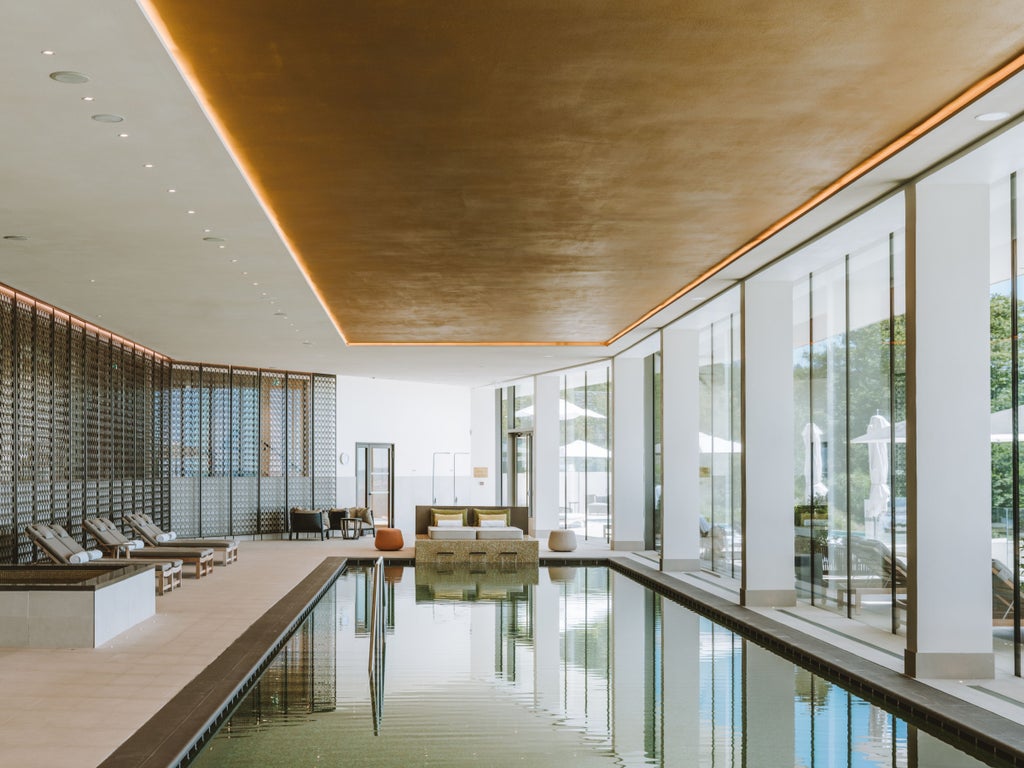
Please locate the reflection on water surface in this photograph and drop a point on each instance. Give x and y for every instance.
(551, 667)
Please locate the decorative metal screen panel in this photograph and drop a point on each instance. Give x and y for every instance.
(324, 434)
(8, 539)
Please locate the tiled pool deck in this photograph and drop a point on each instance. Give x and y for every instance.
(76, 707)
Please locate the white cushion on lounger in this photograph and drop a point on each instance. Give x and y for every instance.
(461, 533)
(505, 532)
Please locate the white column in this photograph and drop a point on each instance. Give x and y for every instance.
(680, 493)
(767, 458)
(770, 719)
(949, 630)
(628, 456)
(680, 685)
(483, 451)
(546, 393)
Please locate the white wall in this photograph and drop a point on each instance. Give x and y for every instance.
(419, 419)
(485, 446)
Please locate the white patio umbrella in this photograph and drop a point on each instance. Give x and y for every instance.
(566, 410)
(1001, 430)
(579, 449)
(878, 467)
(812, 463)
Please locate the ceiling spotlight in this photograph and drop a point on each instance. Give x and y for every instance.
(47, 53)
(171, 191)
(234, 261)
(256, 284)
(212, 239)
(147, 165)
(15, 237)
(72, 78)
(222, 246)
(88, 98)
(104, 118)
(263, 294)
(207, 229)
(92, 280)
(122, 135)
(190, 211)
(991, 117)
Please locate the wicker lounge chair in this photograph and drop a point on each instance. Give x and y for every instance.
(110, 539)
(61, 548)
(144, 527)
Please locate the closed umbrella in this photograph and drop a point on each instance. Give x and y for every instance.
(878, 466)
(812, 463)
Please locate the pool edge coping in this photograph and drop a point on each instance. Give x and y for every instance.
(175, 733)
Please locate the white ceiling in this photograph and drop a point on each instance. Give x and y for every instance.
(109, 242)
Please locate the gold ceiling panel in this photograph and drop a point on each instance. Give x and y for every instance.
(540, 171)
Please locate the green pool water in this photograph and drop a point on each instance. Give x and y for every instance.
(545, 667)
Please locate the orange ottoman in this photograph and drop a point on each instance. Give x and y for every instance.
(389, 539)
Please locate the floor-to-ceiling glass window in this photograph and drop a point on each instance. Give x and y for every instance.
(515, 414)
(585, 451)
(719, 439)
(1006, 314)
(652, 458)
(849, 434)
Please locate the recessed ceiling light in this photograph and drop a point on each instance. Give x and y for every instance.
(234, 261)
(222, 246)
(256, 284)
(147, 165)
(172, 191)
(207, 229)
(190, 211)
(47, 53)
(213, 239)
(88, 98)
(991, 117)
(105, 118)
(263, 294)
(92, 280)
(72, 78)
(15, 237)
(122, 135)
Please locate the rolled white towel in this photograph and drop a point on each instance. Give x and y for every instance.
(163, 537)
(79, 558)
(136, 544)
(173, 535)
(94, 554)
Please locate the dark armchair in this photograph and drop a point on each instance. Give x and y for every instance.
(306, 521)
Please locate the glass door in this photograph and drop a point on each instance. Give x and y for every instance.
(375, 481)
(521, 470)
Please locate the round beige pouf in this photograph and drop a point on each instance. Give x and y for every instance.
(562, 540)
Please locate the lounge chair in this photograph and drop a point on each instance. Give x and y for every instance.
(144, 527)
(110, 539)
(61, 548)
(306, 521)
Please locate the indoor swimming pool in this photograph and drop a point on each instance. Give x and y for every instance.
(566, 666)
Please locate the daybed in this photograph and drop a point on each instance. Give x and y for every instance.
(480, 535)
(60, 547)
(154, 536)
(110, 539)
(516, 523)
